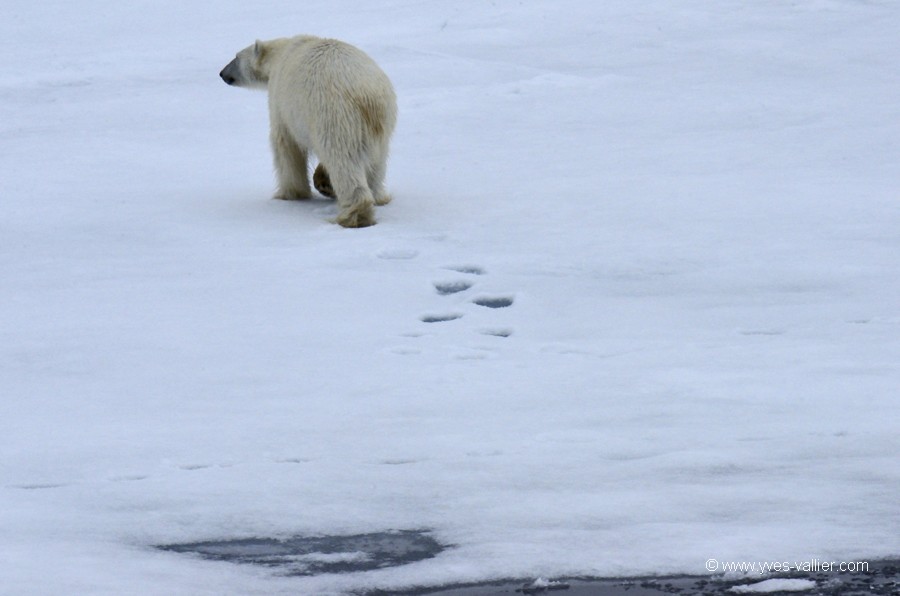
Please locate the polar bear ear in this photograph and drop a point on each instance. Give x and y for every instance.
(257, 48)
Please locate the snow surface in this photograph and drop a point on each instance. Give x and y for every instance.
(692, 205)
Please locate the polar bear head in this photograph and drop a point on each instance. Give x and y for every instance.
(248, 69)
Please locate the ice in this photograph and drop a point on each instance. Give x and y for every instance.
(775, 585)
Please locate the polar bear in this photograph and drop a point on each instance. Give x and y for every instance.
(328, 98)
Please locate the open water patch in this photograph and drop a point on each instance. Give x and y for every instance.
(314, 555)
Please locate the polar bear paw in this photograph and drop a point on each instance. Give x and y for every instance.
(322, 182)
(360, 217)
(293, 195)
(359, 212)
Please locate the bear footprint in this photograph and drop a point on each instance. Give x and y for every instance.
(452, 287)
(440, 318)
(494, 301)
(497, 332)
(469, 269)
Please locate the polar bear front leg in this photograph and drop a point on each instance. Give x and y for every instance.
(290, 167)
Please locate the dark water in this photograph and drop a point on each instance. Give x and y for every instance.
(313, 555)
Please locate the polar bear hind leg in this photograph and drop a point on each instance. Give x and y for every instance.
(375, 178)
(355, 201)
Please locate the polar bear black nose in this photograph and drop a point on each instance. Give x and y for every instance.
(227, 77)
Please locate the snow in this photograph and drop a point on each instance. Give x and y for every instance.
(691, 206)
(543, 583)
(776, 585)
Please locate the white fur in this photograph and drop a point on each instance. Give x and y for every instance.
(328, 98)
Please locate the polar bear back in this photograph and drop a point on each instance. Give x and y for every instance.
(354, 98)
